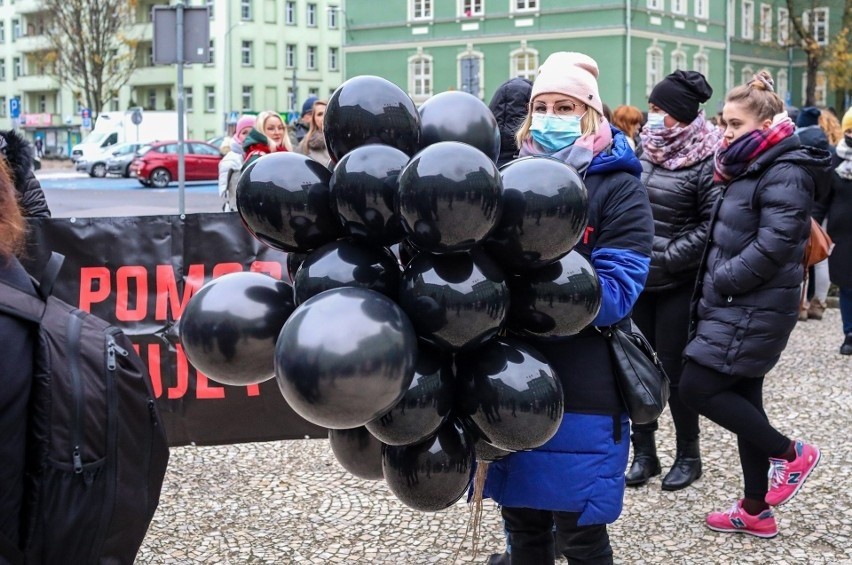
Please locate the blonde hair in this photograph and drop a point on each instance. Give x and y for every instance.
(829, 123)
(260, 125)
(303, 145)
(758, 97)
(627, 119)
(589, 124)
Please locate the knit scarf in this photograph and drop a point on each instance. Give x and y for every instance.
(733, 160)
(683, 146)
(580, 154)
(844, 151)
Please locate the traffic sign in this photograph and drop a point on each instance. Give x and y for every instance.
(86, 116)
(136, 116)
(15, 107)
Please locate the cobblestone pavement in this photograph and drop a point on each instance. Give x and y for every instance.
(290, 502)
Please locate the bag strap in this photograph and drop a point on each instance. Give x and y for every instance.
(50, 274)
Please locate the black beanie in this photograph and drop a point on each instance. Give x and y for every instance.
(808, 116)
(680, 93)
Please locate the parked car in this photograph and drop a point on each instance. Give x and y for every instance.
(156, 164)
(95, 166)
(121, 157)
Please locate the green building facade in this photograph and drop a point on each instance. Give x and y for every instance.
(430, 46)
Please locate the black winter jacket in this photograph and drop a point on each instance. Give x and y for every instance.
(839, 206)
(509, 106)
(682, 202)
(748, 291)
(19, 155)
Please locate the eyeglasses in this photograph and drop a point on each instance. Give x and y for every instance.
(562, 108)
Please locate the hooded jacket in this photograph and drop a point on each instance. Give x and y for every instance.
(509, 106)
(19, 155)
(749, 282)
(581, 469)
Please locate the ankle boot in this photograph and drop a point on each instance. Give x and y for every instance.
(686, 468)
(645, 462)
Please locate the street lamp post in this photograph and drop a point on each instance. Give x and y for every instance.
(229, 72)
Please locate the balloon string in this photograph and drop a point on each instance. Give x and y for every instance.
(474, 522)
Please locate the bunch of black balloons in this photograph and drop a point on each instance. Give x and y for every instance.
(422, 276)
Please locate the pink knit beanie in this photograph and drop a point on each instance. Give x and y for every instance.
(245, 121)
(572, 74)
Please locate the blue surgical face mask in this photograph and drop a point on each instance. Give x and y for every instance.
(553, 133)
(656, 120)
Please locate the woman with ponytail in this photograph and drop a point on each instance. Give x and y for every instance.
(748, 297)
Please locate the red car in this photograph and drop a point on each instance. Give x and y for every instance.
(156, 164)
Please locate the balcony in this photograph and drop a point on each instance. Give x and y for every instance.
(29, 7)
(161, 75)
(36, 83)
(32, 43)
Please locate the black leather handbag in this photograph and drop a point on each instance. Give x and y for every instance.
(639, 373)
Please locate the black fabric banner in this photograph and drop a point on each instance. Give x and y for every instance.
(139, 274)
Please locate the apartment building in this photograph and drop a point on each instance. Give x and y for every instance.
(265, 54)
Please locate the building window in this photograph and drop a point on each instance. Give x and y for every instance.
(246, 57)
(765, 23)
(210, 4)
(746, 75)
(701, 63)
(332, 17)
(313, 91)
(524, 5)
(187, 99)
(2, 32)
(655, 4)
(114, 105)
(702, 9)
(679, 7)
(819, 26)
(290, 56)
(312, 58)
(42, 103)
(470, 69)
(678, 60)
(245, 10)
(2, 69)
(523, 63)
(653, 68)
(16, 29)
(290, 13)
(152, 99)
(470, 8)
(332, 58)
(311, 15)
(782, 85)
(209, 99)
(420, 77)
(211, 52)
(17, 70)
(248, 95)
(420, 9)
(783, 26)
(292, 96)
(3, 106)
(747, 20)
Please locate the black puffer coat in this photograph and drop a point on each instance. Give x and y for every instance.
(682, 202)
(748, 291)
(509, 106)
(19, 155)
(839, 206)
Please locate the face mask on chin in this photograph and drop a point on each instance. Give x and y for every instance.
(554, 133)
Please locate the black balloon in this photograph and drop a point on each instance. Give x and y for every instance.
(358, 452)
(364, 189)
(450, 197)
(345, 357)
(369, 109)
(455, 300)
(347, 263)
(284, 201)
(431, 475)
(545, 210)
(557, 300)
(511, 393)
(294, 261)
(484, 451)
(229, 327)
(425, 406)
(458, 116)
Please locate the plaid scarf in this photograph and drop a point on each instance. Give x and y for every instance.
(733, 160)
(680, 147)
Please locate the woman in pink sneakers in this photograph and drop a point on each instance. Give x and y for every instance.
(748, 296)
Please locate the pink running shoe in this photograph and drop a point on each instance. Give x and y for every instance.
(787, 477)
(738, 521)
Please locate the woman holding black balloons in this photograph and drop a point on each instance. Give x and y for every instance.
(576, 479)
(269, 135)
(678, 145)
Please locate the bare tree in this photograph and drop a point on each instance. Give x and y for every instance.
(90, 47)
(811, 43)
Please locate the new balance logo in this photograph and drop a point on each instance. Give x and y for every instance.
(738, 523)
(793, 479)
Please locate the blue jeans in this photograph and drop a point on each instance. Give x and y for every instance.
(846, 308)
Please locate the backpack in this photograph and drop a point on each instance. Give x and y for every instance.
(96, 447)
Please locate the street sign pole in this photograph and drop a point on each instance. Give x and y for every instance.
(181, 156)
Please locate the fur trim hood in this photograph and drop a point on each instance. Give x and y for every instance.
(18, 152)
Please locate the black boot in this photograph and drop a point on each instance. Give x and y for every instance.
(645, 462)
(686, 468)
